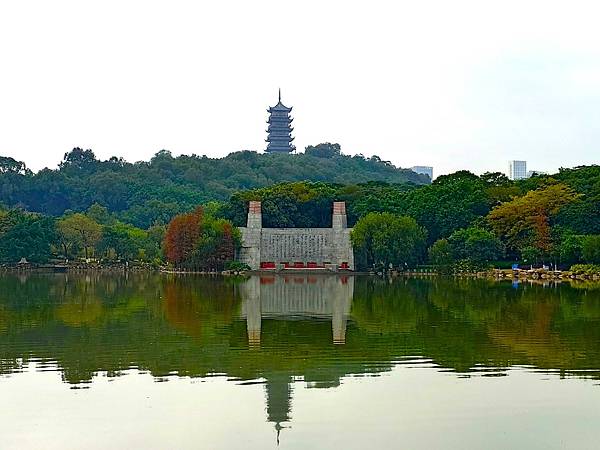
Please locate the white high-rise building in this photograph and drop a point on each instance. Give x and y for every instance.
(423, 170)
(517, 170)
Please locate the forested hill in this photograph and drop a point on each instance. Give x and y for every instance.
(144, 192)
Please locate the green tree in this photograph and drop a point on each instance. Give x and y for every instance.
(11, 165)
(450, 203)
(384, 239)
(79, 230)
(475, 245)
(99, 214)
(590, 249)
(124, 241)
(326, 150)
(116, 238)
(570, 249)
(26, 235)
(468, 249)
(154, 191)
(441, 256)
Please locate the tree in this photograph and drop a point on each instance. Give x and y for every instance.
(78, 158)
(26, 235)
(79, 230)
(590, 249)
(475, 245)
(441, 256)
(200, 241)
(450, 203)
(217, 244)
(468, 249)
(99, 214)
(182, 236)
(570, 249)
(499, 188)
(384, 239)
(326, 150)
(11, 165)
(525, 221)
(152, 191)
(117, 238)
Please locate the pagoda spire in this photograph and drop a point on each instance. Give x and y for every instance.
(279, 95)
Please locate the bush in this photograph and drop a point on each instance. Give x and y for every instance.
(236, 266)
(586, 269)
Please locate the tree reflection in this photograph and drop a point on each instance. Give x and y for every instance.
(278, 329)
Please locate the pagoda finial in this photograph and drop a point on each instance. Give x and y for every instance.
(279, 95)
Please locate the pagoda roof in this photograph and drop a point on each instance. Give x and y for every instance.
(280, 121)
(282, 139)
(279, 106)
(279, 129)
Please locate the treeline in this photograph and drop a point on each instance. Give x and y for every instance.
(195, 240)
(461, 222)
(149, 192)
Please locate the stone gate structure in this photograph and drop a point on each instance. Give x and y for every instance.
(297, 248)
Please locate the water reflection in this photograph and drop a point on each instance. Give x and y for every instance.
(281, 330)
(297, 298)
(293, 298)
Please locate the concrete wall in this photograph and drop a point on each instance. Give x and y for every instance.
(279, 245)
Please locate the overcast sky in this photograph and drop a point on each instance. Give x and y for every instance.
(456, 85)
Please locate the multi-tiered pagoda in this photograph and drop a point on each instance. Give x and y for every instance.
(280, 130)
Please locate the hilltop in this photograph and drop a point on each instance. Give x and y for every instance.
(144, 192)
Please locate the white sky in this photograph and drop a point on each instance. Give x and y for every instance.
(451, 84)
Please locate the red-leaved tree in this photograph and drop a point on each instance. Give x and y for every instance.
(182, 236)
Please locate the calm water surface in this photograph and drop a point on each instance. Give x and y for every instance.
(169, 362)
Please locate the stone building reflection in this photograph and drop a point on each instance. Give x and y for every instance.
(293, 298)
(297, 298)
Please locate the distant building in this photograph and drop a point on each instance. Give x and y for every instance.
(423, 170)
(280, 130)
(517, 170)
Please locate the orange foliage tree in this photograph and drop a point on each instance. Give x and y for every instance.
(199, 241)
(182, 236)
(524, 222)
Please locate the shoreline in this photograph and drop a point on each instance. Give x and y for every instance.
(496, 274)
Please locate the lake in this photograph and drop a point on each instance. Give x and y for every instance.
(297, 362)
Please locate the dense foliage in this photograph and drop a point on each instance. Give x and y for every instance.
(119, 211)
(470, 220)
(467, 249)
(197, 240)
(385, 239)
(147, 192)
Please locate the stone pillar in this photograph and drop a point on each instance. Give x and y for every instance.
(251, 237)
(339, 221)
(342, 247)
(254, 215)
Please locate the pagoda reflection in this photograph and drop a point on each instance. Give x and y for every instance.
(293, 298)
